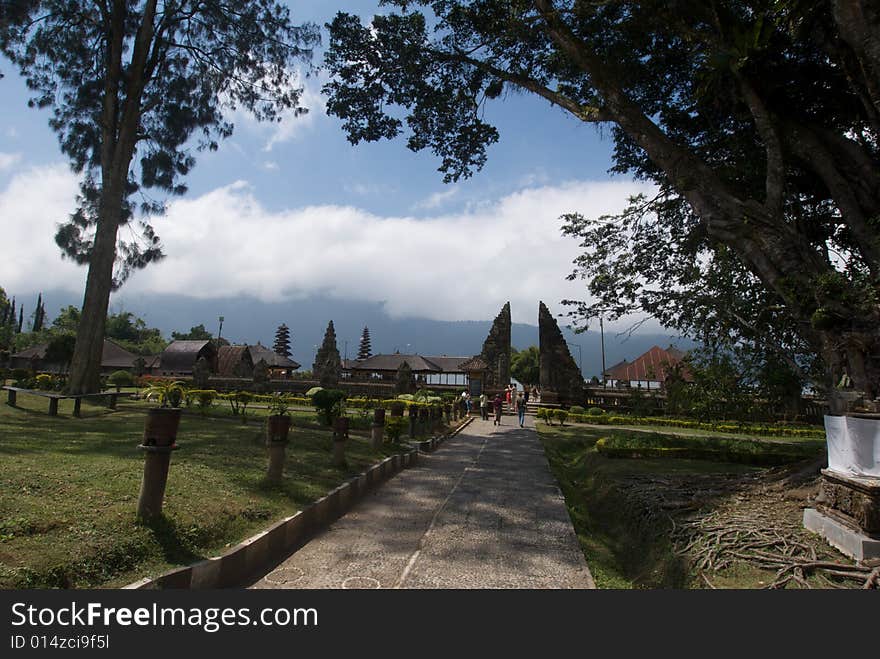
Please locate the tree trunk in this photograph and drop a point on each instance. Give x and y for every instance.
(120, 121)
(858, 22)
(85, 368)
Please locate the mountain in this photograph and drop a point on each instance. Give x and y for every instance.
(249, 320)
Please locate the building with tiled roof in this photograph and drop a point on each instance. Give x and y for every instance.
(279, 365)
(442, 370)
(648, 370)
(179, 357)
(113, 358)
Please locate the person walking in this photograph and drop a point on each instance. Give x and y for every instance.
(498, 403)
(484, 406)
(526, 394)
(521, 410)
(468, 402)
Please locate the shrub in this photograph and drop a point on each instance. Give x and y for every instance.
(545, 415)
(595, 411)
(205, 399)
(329, 404)
(45, 382)
(576, 409)
(561, 416)
(394, 426)
(120, 379)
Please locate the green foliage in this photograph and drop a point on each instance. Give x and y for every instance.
(169, 393)
(560, 415)
(45, 382)
(121, 379)
(278, 405)
(329, 404)
(576, 409)
(524, 366)
(197, 333)
(205, 399)
(595, 411)
(394, 427)
(705, 448)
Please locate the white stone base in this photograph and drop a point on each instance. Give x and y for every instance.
(852, 543)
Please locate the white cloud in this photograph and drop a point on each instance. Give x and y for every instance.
(7, 160)
(457, 266)
(270, 166)
(31, 206)
(436, 200)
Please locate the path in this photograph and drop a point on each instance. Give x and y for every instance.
(483, 511)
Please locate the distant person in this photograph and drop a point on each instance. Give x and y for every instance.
(462, 403)
(484, 406)
(498, 404)
(468, 402)
(526, 394)
(521, 409)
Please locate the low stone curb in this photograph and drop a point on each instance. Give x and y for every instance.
(231, 569)
(429, 445)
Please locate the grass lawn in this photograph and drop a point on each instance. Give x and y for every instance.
(623, 548)
(69, 488)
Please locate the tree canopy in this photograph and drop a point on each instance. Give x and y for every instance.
(758, 122)
(197, 333)
(136, 88)
(525, 365)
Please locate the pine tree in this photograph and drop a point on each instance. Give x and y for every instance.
(328, 365)
(20, 319)
(365, 351)
(39, 314)
(282, 341)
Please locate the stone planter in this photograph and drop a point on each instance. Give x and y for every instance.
(160, 426)
(340, 434)
(377, 431)
(278, 428)
(277, 431)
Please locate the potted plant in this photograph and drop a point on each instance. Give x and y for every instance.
(278, 425)
(160, 428)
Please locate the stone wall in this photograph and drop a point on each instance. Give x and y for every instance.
(560, 378)
(496, 352)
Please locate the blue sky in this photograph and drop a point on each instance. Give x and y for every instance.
(292, 211)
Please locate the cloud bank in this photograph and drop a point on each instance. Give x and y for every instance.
(453, 266)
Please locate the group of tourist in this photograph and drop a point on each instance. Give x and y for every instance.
(516, 401)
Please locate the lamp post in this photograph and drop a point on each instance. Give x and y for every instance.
(602, 334)
(220, 329)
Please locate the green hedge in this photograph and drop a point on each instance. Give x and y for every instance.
(726, 450)
(770, 431)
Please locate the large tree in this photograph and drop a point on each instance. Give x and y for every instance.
(135, 88)
(757, 119)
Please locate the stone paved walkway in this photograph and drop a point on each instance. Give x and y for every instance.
(483, 511)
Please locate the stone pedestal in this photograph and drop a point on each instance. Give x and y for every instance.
(847, 514)
(852, 499)
(157, 460)
(277, 458)
(377, 431)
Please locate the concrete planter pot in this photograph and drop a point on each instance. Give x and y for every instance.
(160, 426)
(278, 428)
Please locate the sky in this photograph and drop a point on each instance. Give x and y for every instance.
(292, 211)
